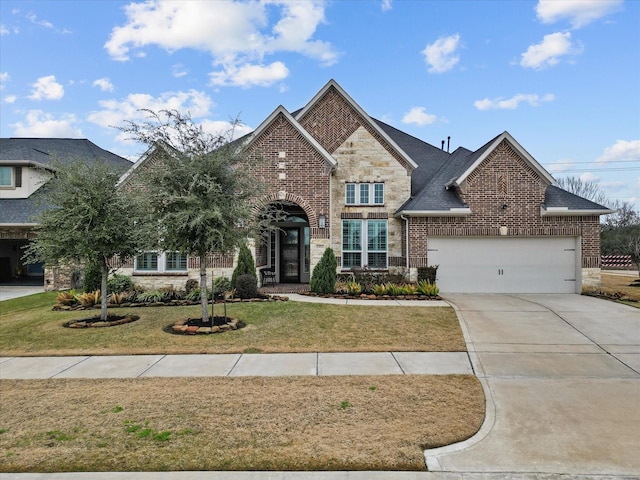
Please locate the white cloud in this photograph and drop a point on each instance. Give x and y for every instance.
(104, 84)
(220, 127)
(578, 12)
(236, 34)
(115, 112)
(512, 103)
(588, 177)
(419, 116)
(250, 75)
(441, 55)
(547, 53)
(4, 30)
(36, 21)
(387, 5)
(560, 166)
(40, 124)
(46, 88)
(4, 78)
(179, 71)
(621, 150)
(10, 99)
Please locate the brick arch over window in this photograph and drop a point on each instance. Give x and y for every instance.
(297, 199)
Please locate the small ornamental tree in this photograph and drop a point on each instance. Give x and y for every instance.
(245, 266)
(200, 189)
(87, 220)
(323, 279)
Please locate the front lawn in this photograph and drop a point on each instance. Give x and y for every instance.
(28, 326)
(289, 423)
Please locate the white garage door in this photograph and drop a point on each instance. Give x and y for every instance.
(505, 265)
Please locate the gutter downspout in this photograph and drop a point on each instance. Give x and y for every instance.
(406, 233)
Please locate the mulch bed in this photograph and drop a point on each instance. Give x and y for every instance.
(195, 326)
(365, 296)
(96, 322)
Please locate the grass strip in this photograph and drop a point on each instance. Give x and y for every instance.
(291, 423)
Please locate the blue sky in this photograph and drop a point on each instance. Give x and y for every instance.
(562, 76)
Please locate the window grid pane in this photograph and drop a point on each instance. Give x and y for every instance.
(176, 261)
(147, 261)
(5, 176)
(351, 194)
(351, 243)
(364, 193)
(378, 195)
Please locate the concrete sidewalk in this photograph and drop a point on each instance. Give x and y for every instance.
(236, 365)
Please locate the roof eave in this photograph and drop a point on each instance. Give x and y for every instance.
(568, 212)
(281, 110)
(365, 115)
(452, 212)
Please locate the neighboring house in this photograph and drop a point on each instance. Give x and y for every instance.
(25, 166)
(492, 219)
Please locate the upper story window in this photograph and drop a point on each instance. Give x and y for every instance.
(364, 194)
(10, 177)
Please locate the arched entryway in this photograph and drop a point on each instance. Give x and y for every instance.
(288, 246)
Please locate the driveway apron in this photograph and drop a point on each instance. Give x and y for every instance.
(561, 375)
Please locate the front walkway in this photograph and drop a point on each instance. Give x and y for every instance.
(236, 365)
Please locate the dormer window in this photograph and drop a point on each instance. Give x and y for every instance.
(10, 177)
(364, 194)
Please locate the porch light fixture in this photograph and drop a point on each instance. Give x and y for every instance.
(322, 221)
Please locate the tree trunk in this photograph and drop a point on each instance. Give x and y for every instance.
(203, 286)
(103, 290)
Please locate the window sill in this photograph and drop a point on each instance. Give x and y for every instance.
(164, 274)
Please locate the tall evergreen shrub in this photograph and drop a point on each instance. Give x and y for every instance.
(323, 279)
(246, 265)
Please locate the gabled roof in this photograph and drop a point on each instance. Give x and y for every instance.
(42, 152)
(483, 152)
(559, 202)
(373, 124)
(21, 211)
(294, 123)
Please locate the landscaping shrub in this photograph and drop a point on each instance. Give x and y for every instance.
(119, 283)
(354, 288)
(428, 273)
(191, 285)
(247, 286)
(323, 279)
(221, 285)
(245, 266)
(92, 276)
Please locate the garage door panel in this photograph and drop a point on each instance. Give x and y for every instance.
(505, 265)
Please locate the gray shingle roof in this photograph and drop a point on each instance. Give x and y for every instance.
(43, 151)
(555, 197)
(21, 210)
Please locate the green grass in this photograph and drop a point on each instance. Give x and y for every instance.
(29, 326)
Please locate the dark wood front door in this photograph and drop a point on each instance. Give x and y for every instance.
(290, 255)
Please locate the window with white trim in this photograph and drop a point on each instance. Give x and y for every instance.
(6, 176)
(364, 243)
(364, 194)
(160, 262)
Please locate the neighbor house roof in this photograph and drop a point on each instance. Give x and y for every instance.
(44, 151)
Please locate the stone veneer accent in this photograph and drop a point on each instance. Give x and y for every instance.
(361, 159)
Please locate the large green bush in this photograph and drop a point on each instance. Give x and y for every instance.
(119, 283)
(246, 286)
(245, 266)
(323, 279)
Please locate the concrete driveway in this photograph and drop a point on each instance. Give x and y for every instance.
(561, 373)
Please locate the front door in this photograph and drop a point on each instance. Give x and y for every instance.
(290, 255)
